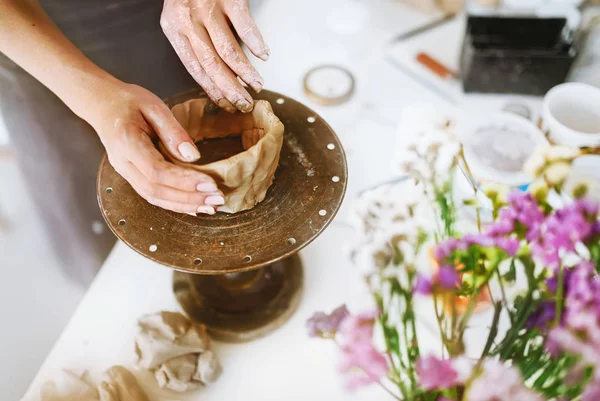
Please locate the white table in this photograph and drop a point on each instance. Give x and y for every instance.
(286, 364)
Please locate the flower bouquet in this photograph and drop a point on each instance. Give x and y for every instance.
(500, 310)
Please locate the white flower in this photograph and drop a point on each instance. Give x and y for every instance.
(539, 189)
(546, 156)
(561, 152)
(496, 191)
(427, 142)
(557, 173)
(534, 166)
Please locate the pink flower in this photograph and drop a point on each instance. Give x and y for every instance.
(360, 360)
(591, 392)
(498, 382)
(436, 374)
(321, 324)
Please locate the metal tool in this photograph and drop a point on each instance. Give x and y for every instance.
(424, 28)
(239, 273)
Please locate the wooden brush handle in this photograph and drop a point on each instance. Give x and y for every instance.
(435, 66)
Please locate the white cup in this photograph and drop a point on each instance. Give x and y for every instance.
(571, 114)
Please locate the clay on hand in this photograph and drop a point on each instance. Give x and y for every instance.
(176, 350)
(200, 33)
(245, 177)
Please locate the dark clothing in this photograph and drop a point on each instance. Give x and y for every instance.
(59, 153)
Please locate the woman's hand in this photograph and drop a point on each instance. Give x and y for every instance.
(200, 33)
(126, 120)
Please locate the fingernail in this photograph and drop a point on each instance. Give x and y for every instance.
(257, 85)
(265, 54)
(227, 106)
(214, 200)
(244, 106)
(206, 210)
(206, 187)
(189, 151)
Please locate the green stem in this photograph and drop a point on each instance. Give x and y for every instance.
(504, 298)
(493, 332)
(559, 296)
(439, 320)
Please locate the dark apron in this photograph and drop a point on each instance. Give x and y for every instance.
(59, 153)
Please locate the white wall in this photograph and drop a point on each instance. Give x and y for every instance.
(3, 133)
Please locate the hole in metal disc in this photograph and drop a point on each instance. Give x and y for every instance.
(247, 258)
(335, 178)
(122, 222)
(109, 190)
(331, 146)
(197, 261)
(322, 212)
(280, 101)
(311, 119)
(291, 241)
(152, 248)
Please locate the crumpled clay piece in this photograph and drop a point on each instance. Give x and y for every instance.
(166, 335)
(245, 177)
(67, 386)
(188, 372)
(177, 351)
(118, 385)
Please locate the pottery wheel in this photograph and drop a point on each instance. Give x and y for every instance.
(306, 194)
(239, 273)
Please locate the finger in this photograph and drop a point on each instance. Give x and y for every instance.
(184, 50)
(148, 160)
(230, 51)
(239, 14)
(169, 198)
(222, 75)
(170, 132)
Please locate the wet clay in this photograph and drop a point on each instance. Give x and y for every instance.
(239, 151)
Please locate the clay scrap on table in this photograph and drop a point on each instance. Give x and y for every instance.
(118, 385)
(176, 350)
(245, 177)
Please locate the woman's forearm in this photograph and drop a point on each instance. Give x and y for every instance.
(32, 40)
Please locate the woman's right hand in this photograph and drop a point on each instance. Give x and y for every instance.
(126, 119)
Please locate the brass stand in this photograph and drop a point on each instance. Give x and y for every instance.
(239, 307)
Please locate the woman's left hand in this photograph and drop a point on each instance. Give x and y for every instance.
(200, 33)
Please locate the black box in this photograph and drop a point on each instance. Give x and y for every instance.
(522, 55)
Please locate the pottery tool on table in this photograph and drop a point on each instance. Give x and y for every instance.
(240, 274)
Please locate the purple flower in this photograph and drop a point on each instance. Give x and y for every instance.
(501, 228)
(326, 325)
(476, 239)
(542, 317)
(444, 249)
(448, 277)
(562, 230)
(423, 285)
(582, 291)
(360, 360)
(508, 245)
(522, 211)
(436, 374)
